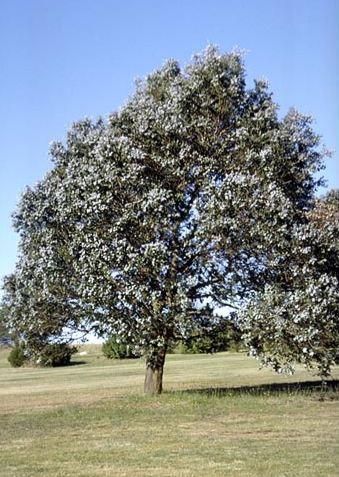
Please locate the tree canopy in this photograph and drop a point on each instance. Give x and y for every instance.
(296, 319)
(5, 337)
(194, 196)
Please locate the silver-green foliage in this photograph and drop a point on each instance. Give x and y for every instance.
(296, 318)
(189, 198)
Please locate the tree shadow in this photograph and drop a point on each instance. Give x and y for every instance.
(328, 389)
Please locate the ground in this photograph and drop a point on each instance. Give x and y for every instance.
(219, 416)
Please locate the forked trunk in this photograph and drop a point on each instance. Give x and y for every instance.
(154, 373)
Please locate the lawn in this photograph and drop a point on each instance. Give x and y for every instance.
(219, 416)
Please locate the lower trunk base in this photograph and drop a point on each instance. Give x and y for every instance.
(153, 380)
(154, 373)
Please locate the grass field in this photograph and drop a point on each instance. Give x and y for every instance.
(218, 416)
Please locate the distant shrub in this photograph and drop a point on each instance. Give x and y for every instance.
(50, 355)
(113, 349)
(17, 357)
(204, 344)
(56, 354)
(225, 338)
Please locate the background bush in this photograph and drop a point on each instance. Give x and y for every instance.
(56, 354)
(49, 355)
(17, 356)
(113, 349)
(227, 337)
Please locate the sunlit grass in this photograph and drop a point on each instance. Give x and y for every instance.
(218, 416)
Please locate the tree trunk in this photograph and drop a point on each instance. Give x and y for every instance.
(154, 372)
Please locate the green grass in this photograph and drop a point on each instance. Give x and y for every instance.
(218, 416)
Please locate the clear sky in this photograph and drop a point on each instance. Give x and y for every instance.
(62, 60)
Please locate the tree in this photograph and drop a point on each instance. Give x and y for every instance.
(182, 202)
(5, 337)
(296, 319)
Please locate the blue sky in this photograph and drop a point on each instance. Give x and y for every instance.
(62, 60)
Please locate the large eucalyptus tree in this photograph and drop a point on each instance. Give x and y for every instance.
(182, 202)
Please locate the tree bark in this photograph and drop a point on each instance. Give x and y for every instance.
(154, 373)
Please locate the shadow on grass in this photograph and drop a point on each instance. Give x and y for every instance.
(74, 363)
(328, 389)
